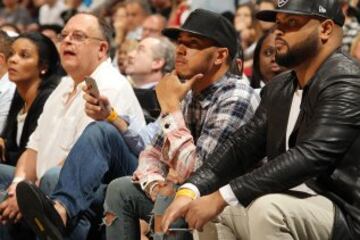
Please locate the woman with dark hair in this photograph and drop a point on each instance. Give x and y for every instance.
(32, 66)
(264, 65)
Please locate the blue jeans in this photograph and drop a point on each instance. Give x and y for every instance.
(12, 231)
(81, 227)
(127, 202)
(99, 155)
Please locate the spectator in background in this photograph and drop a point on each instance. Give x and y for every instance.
(73, 7)
(215, 6)
(265, 5)
(351, 27)
(249, 32)
(120, 23)
(180, 11)
(148, 63)
(355, 48)
(11, 29)
(162, 7)
(51, 31)
(237, 66)
(354, 9)
(152, 58)
(16, 14)
(50, 12)
(153, 25)
(35, 78)
(122, 54)
(264, 64)
(7, 88)
(136, 12)
(244, 17)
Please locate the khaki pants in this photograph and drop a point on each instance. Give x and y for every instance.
(278, 216)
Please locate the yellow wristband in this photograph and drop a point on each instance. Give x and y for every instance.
(186, 193)
(112, 116)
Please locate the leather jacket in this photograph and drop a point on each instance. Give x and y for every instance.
(324, 148)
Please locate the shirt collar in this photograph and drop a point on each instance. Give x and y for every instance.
(69, 87)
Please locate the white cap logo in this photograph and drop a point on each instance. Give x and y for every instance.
(282, 3)
(322, 9)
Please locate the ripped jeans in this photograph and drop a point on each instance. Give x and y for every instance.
(126, 202)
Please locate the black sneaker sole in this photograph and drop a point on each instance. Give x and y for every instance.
(32, 209)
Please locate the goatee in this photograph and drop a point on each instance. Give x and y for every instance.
(300, 52)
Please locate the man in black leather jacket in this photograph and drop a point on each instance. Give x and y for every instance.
(313, 148)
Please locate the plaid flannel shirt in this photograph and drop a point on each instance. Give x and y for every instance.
(190, 135)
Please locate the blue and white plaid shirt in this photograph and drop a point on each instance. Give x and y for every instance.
(190, 135)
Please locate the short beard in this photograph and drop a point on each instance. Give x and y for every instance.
(300, 52)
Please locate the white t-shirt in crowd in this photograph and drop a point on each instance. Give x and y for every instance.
(52, 15)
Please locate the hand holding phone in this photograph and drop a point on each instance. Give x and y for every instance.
(92, 86)
(97, 107)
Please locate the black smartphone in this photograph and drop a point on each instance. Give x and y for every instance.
(180, 230)
(93, 88)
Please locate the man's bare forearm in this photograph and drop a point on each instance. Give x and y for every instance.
(26, 166)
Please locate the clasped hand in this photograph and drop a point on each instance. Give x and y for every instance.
(196, 212)
(9, 209)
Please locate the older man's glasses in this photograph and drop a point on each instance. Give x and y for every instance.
(76, 36)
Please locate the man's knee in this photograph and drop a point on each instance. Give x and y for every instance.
(118, 190)
(104, 130)
(102, 127)
(49, 180)
(267, 207)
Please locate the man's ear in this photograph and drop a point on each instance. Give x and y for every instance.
(103, 49)
(222, 56)
(157, 64)
(239, 64)
(326, 30)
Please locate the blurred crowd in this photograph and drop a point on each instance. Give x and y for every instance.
(135, 20)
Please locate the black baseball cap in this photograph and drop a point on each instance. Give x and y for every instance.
(328, 9)
(209, 25)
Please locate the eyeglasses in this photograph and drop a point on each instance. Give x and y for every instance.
(76, 36)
